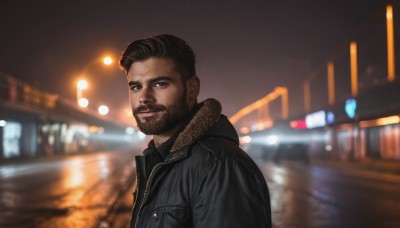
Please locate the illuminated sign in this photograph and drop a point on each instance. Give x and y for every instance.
(350, 107)
(298, 124)
(330, 117)
(316, 119)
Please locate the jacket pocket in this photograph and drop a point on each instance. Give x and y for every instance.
(173, 217)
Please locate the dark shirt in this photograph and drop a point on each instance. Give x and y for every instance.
(154, 155)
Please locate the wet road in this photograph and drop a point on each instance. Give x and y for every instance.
(318, 196)
(94, 190)
(75, 191)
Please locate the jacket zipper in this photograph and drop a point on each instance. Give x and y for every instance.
(146, 191)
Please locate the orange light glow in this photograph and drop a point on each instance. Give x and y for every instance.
(279, 91)
(331, 83)
(307, 97)
(388, 120)
(74, 177)
(108, 60)
(390, 43)
(82, 84)
(245, 130)
(245, 139)
(93, 129)
(354, 69)
(380, 122)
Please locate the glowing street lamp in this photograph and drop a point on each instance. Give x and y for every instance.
(83, 102)
(80, 86)
(103, 110)
(108, 60)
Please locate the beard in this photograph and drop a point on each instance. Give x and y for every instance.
(169, 117)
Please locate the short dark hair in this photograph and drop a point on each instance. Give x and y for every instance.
(164, 46)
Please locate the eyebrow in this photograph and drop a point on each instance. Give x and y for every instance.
(153, 80)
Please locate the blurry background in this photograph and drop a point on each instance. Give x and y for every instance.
(310, 86)
(244, 48)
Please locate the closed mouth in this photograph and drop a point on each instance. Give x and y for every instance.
(148, 113)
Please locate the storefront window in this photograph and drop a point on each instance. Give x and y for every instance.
(11, 138)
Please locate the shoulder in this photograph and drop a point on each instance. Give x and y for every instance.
(220, 151)
(219, 160)
(220, 148)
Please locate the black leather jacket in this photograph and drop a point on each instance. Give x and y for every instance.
(206, 180)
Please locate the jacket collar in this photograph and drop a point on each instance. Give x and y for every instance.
(203, 120)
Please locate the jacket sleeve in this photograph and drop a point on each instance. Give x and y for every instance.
(231, 193)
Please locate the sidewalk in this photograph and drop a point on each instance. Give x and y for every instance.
(366, 164)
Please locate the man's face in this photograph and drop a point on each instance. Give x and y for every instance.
(157, 95)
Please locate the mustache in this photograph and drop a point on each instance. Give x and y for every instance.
(148, 108)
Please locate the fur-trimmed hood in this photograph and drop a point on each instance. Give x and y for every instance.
(207, 122)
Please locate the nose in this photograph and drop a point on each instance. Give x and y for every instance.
(146, 96)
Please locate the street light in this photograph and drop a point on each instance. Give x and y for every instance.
(103, 110)
(83, 102)
(80, 86)
(107, 60)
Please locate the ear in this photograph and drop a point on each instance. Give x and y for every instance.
(193, 88)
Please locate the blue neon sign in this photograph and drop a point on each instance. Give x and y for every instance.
(351, 107)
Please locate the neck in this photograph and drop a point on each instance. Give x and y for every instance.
(161, 138)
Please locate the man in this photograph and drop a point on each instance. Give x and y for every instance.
(193, 173)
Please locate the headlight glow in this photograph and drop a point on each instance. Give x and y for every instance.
(272, 140)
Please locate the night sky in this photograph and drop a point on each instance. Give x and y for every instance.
(244, 48)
